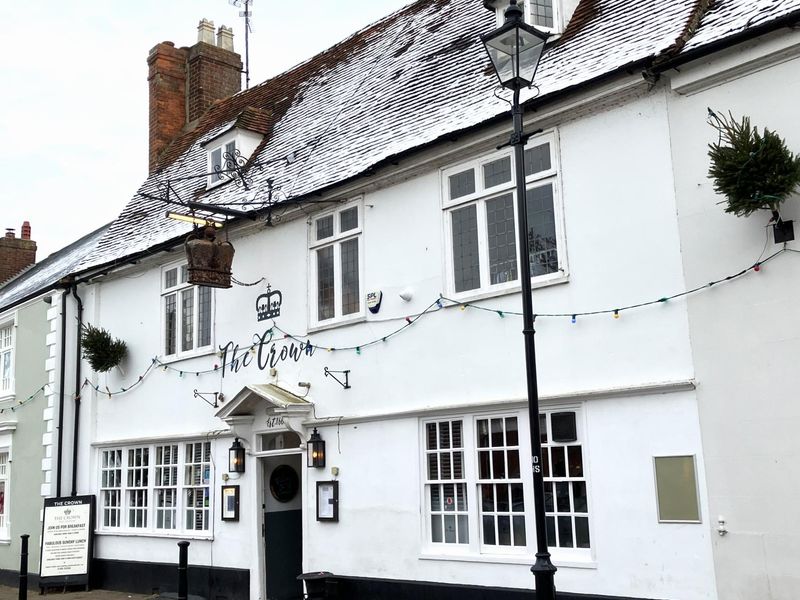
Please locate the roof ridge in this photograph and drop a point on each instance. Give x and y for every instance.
(701, 8)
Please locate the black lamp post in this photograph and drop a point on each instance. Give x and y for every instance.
(515, 49)
(236, 457)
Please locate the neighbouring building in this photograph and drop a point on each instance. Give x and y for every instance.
(32, 339)
(369, 195)
(16, 253)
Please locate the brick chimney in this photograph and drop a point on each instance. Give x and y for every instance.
(16, 253)
(184, 82)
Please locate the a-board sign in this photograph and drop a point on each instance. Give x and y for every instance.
(67, 541)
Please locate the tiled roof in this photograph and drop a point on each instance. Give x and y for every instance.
(51, 270)
(412, 78)
(730, 17)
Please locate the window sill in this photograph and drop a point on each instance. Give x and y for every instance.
(474, 295)
(7, 396)
(360, 318)
(152, 534)
(174, 358)
(4, 541)
(508, 559)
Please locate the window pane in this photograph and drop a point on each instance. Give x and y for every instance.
(350, 294)
(170, 323)
(502, 498)
(565, 532)
(463, 529)
(436, 498)
(324, 283)
(184, 273)
(204, 317)
(551, 531)
(431, 429)
(497, 432)
(562, 496)
(548, 497)
(171, 278)
(348, 219)
(513, 464)
(187, 319)
(325, 227)
(498, 464)
(512, 436)
(483, 433)
(450, 529)
(517, 498)
(501, 239)
(582, 532)
(575, 460)
(462, 184)
(488, 530)
(504, 530)
(542, 230)
(436, 528)
(483, 465)
(676, 487)
(433, 466)
(230, 159)
(537, 159)
(497, 172)
(216, 164)
(579, 496)
(466, 269)
(559, 467)
(519, 531)
(487, 498)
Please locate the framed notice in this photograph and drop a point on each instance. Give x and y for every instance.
(230, 502)
(67, 541)
(327, 501)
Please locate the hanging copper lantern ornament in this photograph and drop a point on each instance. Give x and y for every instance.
(209, 260)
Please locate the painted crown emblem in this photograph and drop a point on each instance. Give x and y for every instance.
(268, 305)
(68, 512)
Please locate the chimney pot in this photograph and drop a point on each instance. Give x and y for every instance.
(225, 38)
(205, 31)
(10, 232)
(26, 230)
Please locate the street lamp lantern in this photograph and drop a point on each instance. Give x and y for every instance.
(515, 49)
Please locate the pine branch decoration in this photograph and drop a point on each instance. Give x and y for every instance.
(754, 171)
(101, 350)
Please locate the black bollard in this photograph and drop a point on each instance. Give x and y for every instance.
(23, 568)
(183, 571)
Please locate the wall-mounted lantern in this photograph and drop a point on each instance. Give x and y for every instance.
(236, 457)
(316, 450)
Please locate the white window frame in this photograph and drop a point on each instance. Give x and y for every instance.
(150, 510)
(177, 290)
(475, 548)
(5, 480)
(558, 25)
(223, 145)
(479, 198)
(8, 348)
(336, 241)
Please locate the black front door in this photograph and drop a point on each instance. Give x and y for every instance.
(283, 528)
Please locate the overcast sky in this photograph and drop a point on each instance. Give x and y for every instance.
(73, 107)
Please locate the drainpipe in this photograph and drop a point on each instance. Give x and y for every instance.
(77, 391)
(61, 390)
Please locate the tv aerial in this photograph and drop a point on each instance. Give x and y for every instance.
(247, 13)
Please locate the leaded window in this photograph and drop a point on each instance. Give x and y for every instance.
(481, 220)
(187, 313)
(336, 258)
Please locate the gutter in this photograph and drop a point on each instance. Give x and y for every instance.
(76, 424)
(63, 360)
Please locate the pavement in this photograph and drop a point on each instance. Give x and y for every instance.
(10, 593)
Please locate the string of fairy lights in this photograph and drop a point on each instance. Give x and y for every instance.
(441, 303)
(17, 404)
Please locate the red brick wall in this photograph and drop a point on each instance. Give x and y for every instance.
(214, 73)
(15, 255)
(167, 83)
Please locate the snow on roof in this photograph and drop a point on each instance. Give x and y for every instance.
(730, 17)
(417, 76)
(49, 271)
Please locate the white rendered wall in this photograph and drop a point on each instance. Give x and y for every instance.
(622, 243)
(745, 334)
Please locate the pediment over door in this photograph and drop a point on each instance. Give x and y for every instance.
(259, 399)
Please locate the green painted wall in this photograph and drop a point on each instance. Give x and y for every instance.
(24, 499)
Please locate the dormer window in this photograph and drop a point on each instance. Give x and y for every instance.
(548, 15)
(232, 148)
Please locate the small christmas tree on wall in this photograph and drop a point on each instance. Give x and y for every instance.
(101, 350)
(754, 171)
